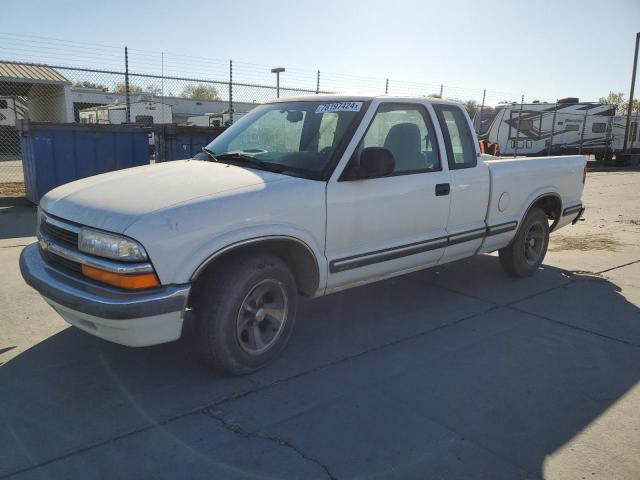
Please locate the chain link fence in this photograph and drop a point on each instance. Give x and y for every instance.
(59, 81)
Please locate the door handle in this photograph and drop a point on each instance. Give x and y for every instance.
(442, 189)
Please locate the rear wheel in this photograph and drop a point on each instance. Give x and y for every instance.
(245, 311)
(603, 157)
(526, 252)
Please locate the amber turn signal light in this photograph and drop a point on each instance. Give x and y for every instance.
(135, 281)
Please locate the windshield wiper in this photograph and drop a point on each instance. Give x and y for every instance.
(240, 158)
(210, 154)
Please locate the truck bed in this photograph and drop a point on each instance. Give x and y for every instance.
(517, 182)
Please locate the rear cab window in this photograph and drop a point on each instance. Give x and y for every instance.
(458, 138)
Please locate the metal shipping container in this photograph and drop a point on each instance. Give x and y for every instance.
(57, 153)
(176, 142)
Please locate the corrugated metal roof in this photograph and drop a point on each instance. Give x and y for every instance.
(30, 73)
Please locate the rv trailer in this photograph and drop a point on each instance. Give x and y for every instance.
(146, 112)
(220, 119)
(563, 128)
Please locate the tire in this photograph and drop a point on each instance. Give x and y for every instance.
(604, 157)
(526, 251)
(237, 308)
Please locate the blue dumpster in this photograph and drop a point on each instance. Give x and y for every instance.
(176, 142)
(57, 153)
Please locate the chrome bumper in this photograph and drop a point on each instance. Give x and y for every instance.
(89, 298)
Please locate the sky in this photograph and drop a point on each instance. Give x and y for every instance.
(546, 49)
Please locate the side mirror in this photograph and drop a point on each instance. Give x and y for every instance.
(376, 162)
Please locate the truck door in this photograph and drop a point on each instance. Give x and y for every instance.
(469, 183)
(379, 226)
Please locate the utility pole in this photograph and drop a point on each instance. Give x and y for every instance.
(633, 84)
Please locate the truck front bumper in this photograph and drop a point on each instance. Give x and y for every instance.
(133, 318)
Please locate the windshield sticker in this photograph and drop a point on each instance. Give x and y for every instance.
(339, 107)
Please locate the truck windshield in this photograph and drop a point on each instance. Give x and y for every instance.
(296, 138)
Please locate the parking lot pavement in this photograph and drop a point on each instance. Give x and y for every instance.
(454, 372)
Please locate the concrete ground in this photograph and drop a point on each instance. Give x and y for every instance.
(456, 372)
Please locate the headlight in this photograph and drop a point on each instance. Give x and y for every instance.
(109, 245)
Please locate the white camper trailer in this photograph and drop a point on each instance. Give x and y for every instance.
(147, 112)
(568, 127)
(633, 140)
(144, 112)
(220, 119)
(12, 109)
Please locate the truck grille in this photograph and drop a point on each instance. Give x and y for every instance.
(60, 262)
(60, 235)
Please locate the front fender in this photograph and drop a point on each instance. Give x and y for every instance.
(228, 240)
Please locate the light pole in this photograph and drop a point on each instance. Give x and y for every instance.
(277, 71)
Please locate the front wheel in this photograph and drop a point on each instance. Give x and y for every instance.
(245, 311)
(526, 251)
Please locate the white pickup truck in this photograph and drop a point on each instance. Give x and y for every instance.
(303, 196)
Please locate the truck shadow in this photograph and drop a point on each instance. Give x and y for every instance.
(17, 218)
(443, 366)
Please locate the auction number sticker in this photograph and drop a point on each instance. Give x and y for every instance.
(339, 107)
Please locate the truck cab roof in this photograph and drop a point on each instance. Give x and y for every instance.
(331, 97)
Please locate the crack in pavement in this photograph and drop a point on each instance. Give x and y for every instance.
(571, 281)
(574, 327)
(615, 268)
(238, 430)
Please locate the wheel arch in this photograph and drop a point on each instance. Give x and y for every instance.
(550, 203)
(297, 254)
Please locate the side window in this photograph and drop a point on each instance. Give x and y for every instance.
(599, 127)
(408, 133)
(458, 139)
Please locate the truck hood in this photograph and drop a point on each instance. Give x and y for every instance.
(113, 201)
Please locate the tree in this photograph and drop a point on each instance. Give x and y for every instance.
(201, 92)
(471, 106)
(153, 90)
(85, 84)
(620, 101)
(122, 88)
